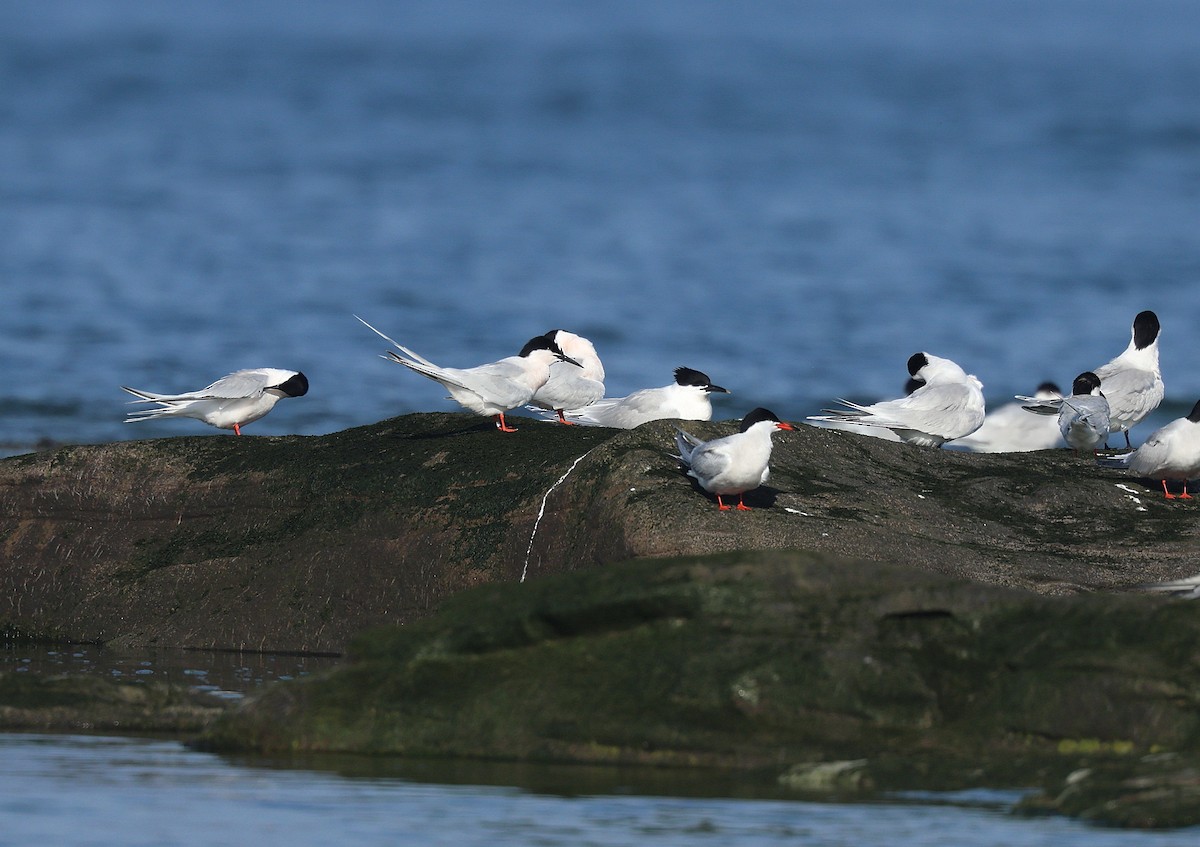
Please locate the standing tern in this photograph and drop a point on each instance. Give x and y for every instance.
(570, 387)
(734, 464)
(1171, 452)
(948, 406)
(232, 401)
(492, 388)
(1082, 418)
(1132, 382)
(1011, 429)
(685, 399)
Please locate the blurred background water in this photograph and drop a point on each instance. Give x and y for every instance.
(790, 196)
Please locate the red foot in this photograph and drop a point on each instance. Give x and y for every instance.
(237, 429)
(742, 507)
(563, 420)
(502, 426)
(1185, 495)
(721, 504)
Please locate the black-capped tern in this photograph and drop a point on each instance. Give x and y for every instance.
(687, 398)
(734, 464)
(570, 387)
(493, 388)
(1011, 429)
(231, 402)
(1082, 417)
(948, 406)
(1171, 452)
(1132, 382)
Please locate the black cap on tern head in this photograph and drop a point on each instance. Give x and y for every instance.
(758, 416)
(1145, 329)
(295, 386)
(915, 362)
(540, 342)
(690, 376)
(1085, 383)
(1194, 414)
(1049, 387)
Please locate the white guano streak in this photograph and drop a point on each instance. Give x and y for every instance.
(542, 511)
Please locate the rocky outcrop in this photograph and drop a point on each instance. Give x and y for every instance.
(836, 675)
(299, 543)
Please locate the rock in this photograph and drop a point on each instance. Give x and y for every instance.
(299, 543)
(83, 703)
(759, 661)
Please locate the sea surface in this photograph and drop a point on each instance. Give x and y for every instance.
(790, 196)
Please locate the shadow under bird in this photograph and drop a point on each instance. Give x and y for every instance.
(948, 406)
(734, 464)
(1083, 417)
(231, 402)
(1011, 429)
(493, 388)
(687, 399)
(1171, 452)
(1132, 382)
(569, 387)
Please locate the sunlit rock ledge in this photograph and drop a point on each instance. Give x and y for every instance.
(299, 543)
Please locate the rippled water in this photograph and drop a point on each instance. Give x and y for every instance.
(793, 197)
(69, 790)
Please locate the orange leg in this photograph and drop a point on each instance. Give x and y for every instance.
(721, 504)
(1185, 495)
(742, 507)
(237, 429)
(563, 420)
(502, 426)
(1168, 494)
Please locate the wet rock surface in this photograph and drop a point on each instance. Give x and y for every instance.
(885, 618)
(298, 543)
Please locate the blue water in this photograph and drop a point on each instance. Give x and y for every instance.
(99, 791)
(790, 196)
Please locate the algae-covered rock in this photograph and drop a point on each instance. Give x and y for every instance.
(80, 702)
(1157, 791)
(758, 660)
(298, 543)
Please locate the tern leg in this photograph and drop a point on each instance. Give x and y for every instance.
(1185, 495)
(721, 504)
(1127, 444)
(563, 420)
(742, 507)
(502, 426)
(1166, 493)
(237, 429)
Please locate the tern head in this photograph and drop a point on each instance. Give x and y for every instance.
(1194, 414)
(930, 368)
(1048, 390)
(688, 376)
(761, 415)
(1086, 383)
(1145, 329)
(542, 342)
(287, 383)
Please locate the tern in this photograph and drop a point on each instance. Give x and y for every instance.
(231, 402)
(492, 388)
(570, 387)
(685, 399)
(1011, 429)
(949, 405)
(734, 464)
(1083, 418)
(1171, 452)
(1132, 382)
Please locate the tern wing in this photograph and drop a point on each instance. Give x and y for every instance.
(235, 386)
